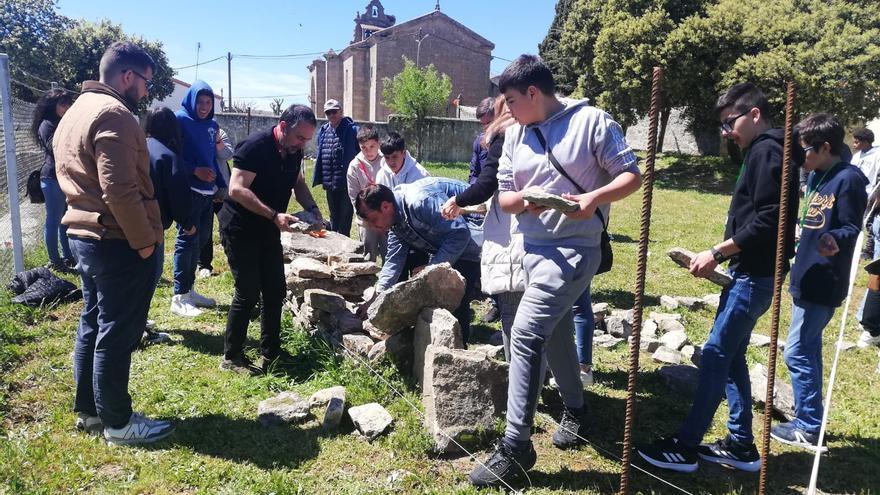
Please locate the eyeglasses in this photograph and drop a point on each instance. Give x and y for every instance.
(331, 112)
(808, 149)
(149, 82)
(727, 125)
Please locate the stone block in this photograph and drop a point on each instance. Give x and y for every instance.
(666, 355)
(668, 303)
(371, 420)
(286, 407)
(674, 340)
(306, 267)
(359, 344)
(438, 286)
(683, 258)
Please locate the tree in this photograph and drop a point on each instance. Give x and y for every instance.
(416, 94)
(563, 71)
(29, 33)
(277, 105)
(80, 50)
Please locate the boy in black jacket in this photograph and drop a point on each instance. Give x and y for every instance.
(750, 244)
(830, 221)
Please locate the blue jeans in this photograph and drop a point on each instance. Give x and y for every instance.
(54, 231)
(188, 247)
(803, 356)
(584, 324)
(875, 228)
(117, 286)
(723, 367)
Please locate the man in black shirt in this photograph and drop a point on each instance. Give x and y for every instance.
(267, 167)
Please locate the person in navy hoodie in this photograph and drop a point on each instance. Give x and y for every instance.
(830, 221)
(336, 147)
(199, 157)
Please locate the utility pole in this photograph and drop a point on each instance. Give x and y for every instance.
(419, 39)
(198, 49)
(229, 78)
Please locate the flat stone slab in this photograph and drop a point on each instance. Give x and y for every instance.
(681, 377)
(333, 244)
(669, 325)
(666, 355)
(286, 407)
(434, 326)
(674, 340)
(345, 270)
(351, 288)
(306, 267)
(607, 341)
(668, 302)
(618, 326)
(683, 258)
(540, 198)
(691, 303)
(712, 300)
(371, 420)
(324, 300)
(359, 344)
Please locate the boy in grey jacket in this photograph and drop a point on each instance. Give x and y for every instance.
(562, 251)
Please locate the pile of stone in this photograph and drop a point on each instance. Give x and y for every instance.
(708, 301)
(663, 334)
(330, 263)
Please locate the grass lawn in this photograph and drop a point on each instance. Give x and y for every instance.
(219, 448)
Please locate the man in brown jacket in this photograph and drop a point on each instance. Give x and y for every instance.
(114, 228)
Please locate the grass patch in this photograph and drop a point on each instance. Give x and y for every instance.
(220, 449)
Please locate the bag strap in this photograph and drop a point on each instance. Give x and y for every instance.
(364, 170)
(562, 171)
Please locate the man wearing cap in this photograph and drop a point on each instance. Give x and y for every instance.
(336, 147)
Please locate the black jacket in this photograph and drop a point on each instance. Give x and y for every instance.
(754, 209)
(486, 183)
(171, 185)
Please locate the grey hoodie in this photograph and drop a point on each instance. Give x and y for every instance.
(591, 148)
(409, 172)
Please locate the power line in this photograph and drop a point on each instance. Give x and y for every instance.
(271, 96)
(200, 63)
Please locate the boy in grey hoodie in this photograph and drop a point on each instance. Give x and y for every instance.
(562, 251)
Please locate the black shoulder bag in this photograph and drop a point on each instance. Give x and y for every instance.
(605, 244)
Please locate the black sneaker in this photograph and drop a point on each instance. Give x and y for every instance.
(239, 364)
(790, 434)
(729, 452)
(668, 453)
(282, 359)
(572, 428)
(504, 465)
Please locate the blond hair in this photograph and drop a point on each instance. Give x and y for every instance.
(503, 120)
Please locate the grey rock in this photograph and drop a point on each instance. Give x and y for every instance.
(692, 303)
(666, 355)
(783, 395)
(464, 393)
(683, 258)
(350, 288)
(333, 244)
(618, 326)
(306, 267)
(345, 322)
(668, 302)
(649, 328)
(371, 420)
(359, 344)
(541, 198)
(347, 270)
(674, 340)
(434, 326)
(759, 340)
(437, 286)
(286, 407)
(399, 347)
(671, 326)
(692, 353)
(597, 332)
(490, 351)
(648, 344)
(659, 317)
(378, 351)
(681, 377)
(606, 341)
(322, 397)
(847, 346)
(626, 314)
(323, 300)
(600, 311)
(333, 414)
(712, 300)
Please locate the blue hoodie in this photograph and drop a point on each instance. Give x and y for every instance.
(199, 139)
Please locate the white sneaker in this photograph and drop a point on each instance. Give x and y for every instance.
(139, 429)
(151, 325)
(182, 306)
(587, 378)
(89, 424)
(201, 301)
(866, 339)
(203, 273)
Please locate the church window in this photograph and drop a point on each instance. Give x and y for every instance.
(375, 11)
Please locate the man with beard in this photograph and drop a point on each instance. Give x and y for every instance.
(267, 166)
(115, 229)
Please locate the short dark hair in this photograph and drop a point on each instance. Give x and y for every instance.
(367, 133)
(865, 135)
(744, 97)
(487, 106)
(294, 114)
(122, 56)
(371, 197)
(162, 126)
(525, 71)
(821, 128)
(392, 142)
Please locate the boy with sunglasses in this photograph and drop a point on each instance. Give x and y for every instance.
(749, 244)
(830, 220)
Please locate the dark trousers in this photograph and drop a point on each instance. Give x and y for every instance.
(470, 270)
(206, 255)
(257, 268)
(341, 211)
(117, 286)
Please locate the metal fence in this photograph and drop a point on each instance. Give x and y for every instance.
(28, 157)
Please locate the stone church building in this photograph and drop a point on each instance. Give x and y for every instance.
(354, 76)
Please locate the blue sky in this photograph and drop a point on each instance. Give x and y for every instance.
(295, 27)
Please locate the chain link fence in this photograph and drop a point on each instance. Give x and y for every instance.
(29, 157)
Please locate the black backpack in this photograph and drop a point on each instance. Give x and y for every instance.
(34, 191)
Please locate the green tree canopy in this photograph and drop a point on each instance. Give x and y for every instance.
(415, 94)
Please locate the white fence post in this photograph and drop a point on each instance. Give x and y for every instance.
(11, 165)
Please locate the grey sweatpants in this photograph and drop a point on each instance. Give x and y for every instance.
(555, 277)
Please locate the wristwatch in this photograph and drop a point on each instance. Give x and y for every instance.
(720, 258)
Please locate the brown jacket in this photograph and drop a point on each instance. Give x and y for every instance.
(103, 168)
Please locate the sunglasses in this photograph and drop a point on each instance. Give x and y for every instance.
(727, 125)
(331, 112)
(149, 82)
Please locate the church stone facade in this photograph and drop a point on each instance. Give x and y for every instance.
(355, 75)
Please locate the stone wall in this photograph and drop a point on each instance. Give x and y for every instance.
(446, 140)
(678, 138)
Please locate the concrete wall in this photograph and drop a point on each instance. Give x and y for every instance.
(446, 140)
(333, 82)
(318, 79)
